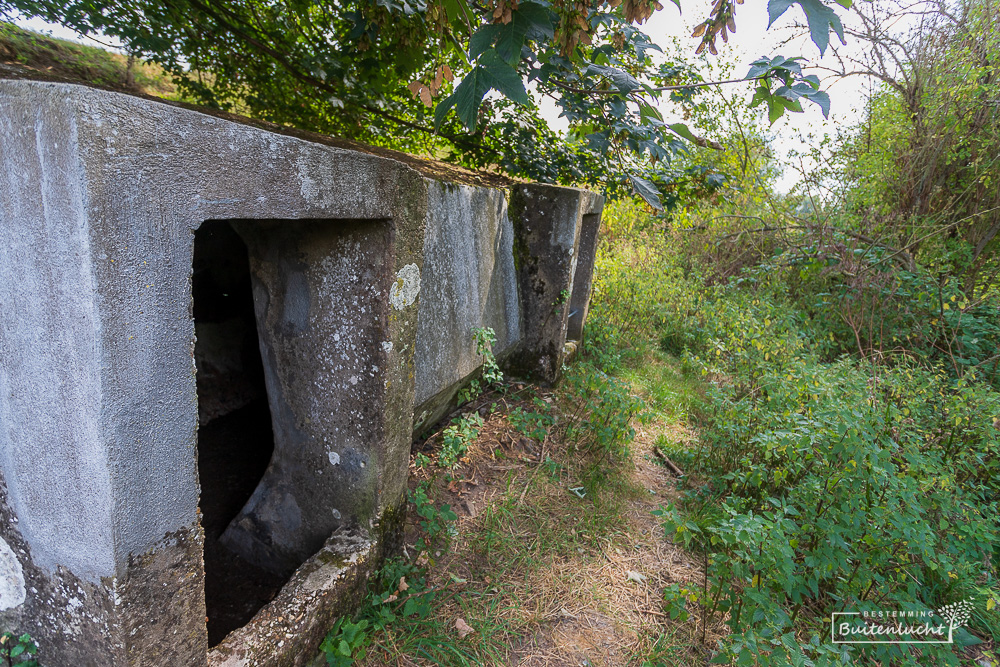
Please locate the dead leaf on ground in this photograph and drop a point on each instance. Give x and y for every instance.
(464, 629)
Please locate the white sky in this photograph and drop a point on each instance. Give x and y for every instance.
(751, 41)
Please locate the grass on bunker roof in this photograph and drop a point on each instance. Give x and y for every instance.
(535, 573)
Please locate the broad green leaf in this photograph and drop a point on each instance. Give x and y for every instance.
(539, 20)
(647, 111)
(622, 80)
(443, 107)
(503, 78)
(775, 8)
(775, 109)
(682, 130)
(598, 141)
(821, 19)
(822, 99)
(469, 95)
(483, 39)
(646, 190)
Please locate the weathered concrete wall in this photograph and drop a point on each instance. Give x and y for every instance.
(320, 289)
(368, 279)
(101, 193)
(548, 225)
(469, 282)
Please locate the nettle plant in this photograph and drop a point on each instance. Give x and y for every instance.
(18, 650)
(531, 423)
(399, 591)
(491, 375)
(457, 437)
(603, 409)
(833, 486)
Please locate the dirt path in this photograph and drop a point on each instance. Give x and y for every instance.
(548, 577)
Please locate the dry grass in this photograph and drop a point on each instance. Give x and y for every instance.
(557, 579)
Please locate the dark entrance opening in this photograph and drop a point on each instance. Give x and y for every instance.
(235, 438)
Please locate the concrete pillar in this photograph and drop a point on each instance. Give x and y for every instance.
(548, 226)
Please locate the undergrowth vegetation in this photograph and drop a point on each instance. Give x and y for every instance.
(555, 463)
(846, 458)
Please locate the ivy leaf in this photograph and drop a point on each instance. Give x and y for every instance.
(647, 191)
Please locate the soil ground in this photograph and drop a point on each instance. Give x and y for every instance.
(546, 577)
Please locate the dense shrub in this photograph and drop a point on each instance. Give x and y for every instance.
(848, 443)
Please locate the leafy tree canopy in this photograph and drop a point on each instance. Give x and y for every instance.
(451, 77)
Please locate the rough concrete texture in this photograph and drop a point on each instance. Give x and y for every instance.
(583, 274)
(548, 223)
(101, 546)
(320, 295)
(330, 582)
(98, 414)
(469, 282)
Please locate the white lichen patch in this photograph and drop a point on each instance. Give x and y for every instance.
(334, 458)
(12, 593)
(387, 346)
(404, 291)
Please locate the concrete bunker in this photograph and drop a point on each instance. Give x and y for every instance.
(289, 318)
(340, 265)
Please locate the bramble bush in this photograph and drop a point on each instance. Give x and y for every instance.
(848, 442)
(842, 485)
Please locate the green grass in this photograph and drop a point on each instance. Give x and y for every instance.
(670, 392)
(71, 60)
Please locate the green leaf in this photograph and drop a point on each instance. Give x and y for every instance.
(442, 109)
(483, 39)
(682, 130)
(598, 141)
(965, 638)
(820, 18)
(453, 8)
(622, 80)
(469, 95)
(822, 99)
(503, 78)
(775, 8)
(539, 20)
(775, 109)
(647, 191)
(647, 111)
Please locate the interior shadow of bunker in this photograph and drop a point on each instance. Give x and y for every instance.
(290, 389)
